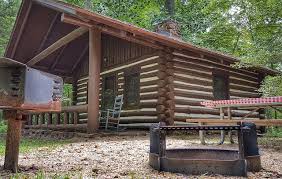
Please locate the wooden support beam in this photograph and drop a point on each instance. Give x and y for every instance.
(80, 58)
(58, 44)
(108, 30)
(58, 57)
(12, 140)
(94, 79)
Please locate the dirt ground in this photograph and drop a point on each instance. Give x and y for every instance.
(121, 157)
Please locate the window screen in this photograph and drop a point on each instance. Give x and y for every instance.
(109, 92)
(220, 87)
(132, 86)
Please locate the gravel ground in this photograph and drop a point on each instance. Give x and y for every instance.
(121, 157)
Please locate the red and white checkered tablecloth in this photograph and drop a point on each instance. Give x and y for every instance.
(212, 104)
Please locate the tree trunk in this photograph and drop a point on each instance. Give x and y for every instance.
(169, 5)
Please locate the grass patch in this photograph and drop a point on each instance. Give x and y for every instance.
(274, 132)
(29, 144)
(3, 126)
(41, 175)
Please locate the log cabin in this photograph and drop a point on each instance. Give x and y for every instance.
(161, 77)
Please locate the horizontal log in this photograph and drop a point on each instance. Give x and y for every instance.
(187, 102)
(193, 95)
(193, 66)
(138, 120)
(149, 75)
(182, 110)
(267, 122)
(138, 113)
(149, 69)
(149, 96)
(242, 88)
(188, 71)
(192, 87)
(218, 65)
(193, 80)
(244, 95)
(245, 83)
(147, 90)
(207, 68)
(148, 104)
(149, 83)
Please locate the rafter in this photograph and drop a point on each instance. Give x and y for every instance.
(47, 33)
(58, 58)
(58, 44)
(80, 57)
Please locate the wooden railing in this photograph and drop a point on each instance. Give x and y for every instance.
(68, 119)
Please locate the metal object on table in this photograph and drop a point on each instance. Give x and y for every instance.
(24, 88)
(202, 161)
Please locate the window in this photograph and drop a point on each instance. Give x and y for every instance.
(220, 87)
(132, 86)
(109, 92)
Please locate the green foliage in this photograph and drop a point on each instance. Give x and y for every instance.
(274, 132)
(28, 144)
(67, 95)
(3, 126)
(8, 11)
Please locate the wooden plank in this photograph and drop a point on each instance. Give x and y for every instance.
(94, 79)
(12, 140)
(266, 122)
(58, 44)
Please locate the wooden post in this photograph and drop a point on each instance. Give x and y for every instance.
(222, 132)
(202, 134)
(94, 79)
(12, 140)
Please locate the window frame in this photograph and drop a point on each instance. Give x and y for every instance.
(114, 75)
(224, 76)
(127, 74)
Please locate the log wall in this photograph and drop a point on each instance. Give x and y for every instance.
(193, 83)
(146, 110)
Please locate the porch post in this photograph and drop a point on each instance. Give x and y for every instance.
(94, 79)
(12, 140)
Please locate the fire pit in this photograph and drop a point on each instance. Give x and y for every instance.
(200, 161)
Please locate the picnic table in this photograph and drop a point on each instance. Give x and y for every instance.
(255, 104)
